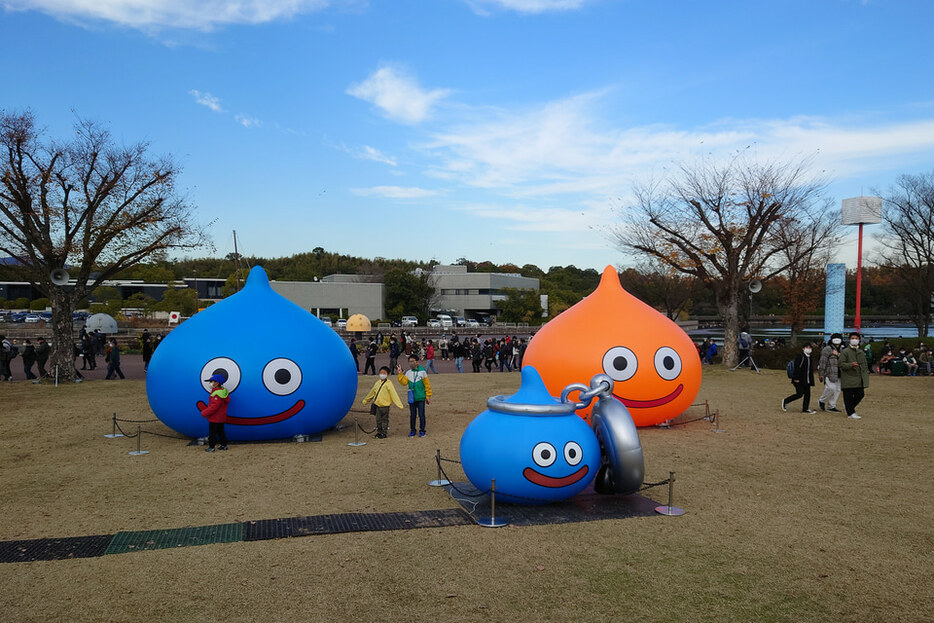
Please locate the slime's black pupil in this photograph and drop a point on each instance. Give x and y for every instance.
(283, 376)
(222, 372)
(620, 363)
(669, 363)
(546, 454)
(572, 453)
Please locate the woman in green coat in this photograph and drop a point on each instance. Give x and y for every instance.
(854, 375)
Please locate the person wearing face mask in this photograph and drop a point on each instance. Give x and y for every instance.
(802, 380)
(383, 395)
(416, 378)
(854, 376)
(828, 373)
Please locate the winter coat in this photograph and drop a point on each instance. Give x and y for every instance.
(418, 382)
(827, 366)
(804, 372)
(216, 409)
(853, 377)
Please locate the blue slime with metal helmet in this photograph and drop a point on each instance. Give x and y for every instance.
(538, 450)
(290, 375)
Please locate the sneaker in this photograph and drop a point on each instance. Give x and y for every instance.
(821, 405)
(783, 405)
(812, 411)
(222, 448)
(412, 434)
(421, 433)
(853, 416)
(834, 410)
(209, 449)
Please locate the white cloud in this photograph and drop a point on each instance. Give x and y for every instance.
(531, 6)
(566, 146)
(247, 121)
(368, 153)
(395, 192)
(206, 99)
(148, 14)
(397, 94)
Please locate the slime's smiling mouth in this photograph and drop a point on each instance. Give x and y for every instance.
(547, 481)
(657, 402)
(269, 419)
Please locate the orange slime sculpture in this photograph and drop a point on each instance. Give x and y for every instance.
(653, 362)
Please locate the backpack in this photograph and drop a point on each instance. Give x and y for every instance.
(790, 369)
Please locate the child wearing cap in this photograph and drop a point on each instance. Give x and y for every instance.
(216, 412)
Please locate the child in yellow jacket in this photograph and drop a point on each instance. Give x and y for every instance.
(383, 395)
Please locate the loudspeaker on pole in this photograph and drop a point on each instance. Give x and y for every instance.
(59, 276)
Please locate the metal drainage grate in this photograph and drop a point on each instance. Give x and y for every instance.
(352, 522)
(179, 537)
(54, 549)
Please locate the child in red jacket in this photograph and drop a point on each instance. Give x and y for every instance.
(216, 412)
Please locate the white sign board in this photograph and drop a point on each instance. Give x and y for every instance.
(866, 210)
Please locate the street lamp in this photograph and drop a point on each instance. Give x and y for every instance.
(861, 211)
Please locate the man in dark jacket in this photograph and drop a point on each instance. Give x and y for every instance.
(854, 376)
(42, 356)
(29, 359)
(802, 379)
(113, 361)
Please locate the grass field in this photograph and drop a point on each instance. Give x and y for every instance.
(790, 517)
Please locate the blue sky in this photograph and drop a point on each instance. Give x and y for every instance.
(508, 130)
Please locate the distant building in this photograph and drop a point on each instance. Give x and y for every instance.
(474, 295)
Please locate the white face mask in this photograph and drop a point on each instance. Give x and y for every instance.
(807, 351)
(383, 377)
(854, 343)
(836, 341)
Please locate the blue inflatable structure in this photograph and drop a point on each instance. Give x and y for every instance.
(287, 372)
(536, 448)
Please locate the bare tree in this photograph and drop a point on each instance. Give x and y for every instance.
(87, 204)
(908, 242)
(722, 224)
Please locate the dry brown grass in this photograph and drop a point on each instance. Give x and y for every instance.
(790, 517)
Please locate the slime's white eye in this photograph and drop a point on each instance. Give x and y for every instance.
(573, 453)
(282, 376)
(224, 366)
(620, 363)
(544, 454)
(667, 363)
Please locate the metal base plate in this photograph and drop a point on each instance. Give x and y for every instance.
(492, 522)
(137, 453)
(439, 483)
(669, 510)
(113, 435)
(356, 443)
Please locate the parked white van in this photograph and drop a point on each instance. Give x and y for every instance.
(409, 321)
(445, 320)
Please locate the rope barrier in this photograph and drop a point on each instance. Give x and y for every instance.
(439, 459)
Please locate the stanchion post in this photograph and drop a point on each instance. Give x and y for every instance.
(139, 435)
(440, 482)
(670, 510)
(114, 434)
(492, 521)
(716, 422)
(356, 428)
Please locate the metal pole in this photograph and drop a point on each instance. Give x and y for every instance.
(440, 482)
(356, 428)
(492, 521)
(859, 279)
(670, 509)
(114, 434)
(138, 436)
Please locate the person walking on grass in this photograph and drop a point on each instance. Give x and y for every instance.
(416, 378)
(854, 376)
(383, 394)
(802, 379)
(216, 412)
(827, 373)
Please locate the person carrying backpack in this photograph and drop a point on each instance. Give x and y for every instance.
(802, 380)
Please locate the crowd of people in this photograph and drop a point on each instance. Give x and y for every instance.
(91, 346)
(503, 353)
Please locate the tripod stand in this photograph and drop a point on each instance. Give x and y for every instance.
(752, 363)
